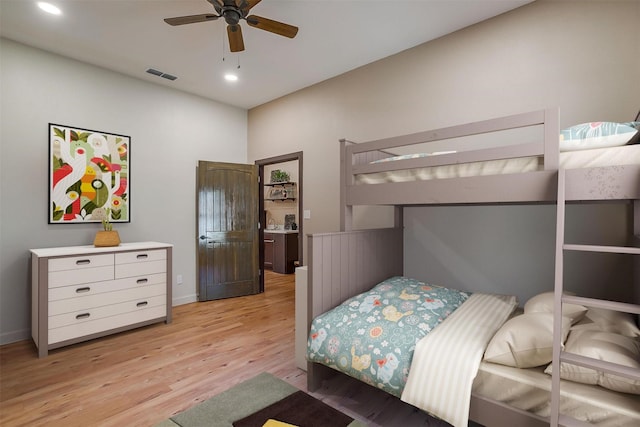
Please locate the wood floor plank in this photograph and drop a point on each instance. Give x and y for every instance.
(143, 376)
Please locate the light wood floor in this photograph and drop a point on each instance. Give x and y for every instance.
(140, 377)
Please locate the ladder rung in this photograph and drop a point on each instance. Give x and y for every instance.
(600, 365)
(598, 303)
(597, 248)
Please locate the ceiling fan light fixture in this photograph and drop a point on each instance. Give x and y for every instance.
(49, 8)
(231, 16)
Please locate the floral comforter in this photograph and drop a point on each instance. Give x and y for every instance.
(372, 336)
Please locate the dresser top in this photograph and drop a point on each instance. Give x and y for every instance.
(90, 249)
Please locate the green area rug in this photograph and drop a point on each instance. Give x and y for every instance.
(237, 403)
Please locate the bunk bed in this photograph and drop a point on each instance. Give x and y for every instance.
(344, 265)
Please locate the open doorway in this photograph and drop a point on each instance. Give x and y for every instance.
(280, 208)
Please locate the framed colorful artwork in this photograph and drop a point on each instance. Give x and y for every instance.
(89, 176)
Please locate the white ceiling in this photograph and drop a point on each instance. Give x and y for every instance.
(130, 36)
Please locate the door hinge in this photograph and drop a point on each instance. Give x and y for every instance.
(258, 225)
(258, 179)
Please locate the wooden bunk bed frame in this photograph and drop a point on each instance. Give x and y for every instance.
(346, 263)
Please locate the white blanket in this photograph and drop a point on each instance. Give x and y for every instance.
(446, 361)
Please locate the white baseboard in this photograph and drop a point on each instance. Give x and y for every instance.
(15, 336)
(184, 300)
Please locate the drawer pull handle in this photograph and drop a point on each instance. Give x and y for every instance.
(83, 262)
(82, 290)
(142, 256)
(139, 281)
(269, 241)
(83, 316)
(142, 304)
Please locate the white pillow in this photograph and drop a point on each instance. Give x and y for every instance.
(607, 346)
(600, 319)
(543, 303)
(525, 341)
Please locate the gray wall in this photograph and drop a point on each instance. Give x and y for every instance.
(170, 131)
(511, 249)
(582, 56)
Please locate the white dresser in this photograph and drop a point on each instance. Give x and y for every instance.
(83, 292)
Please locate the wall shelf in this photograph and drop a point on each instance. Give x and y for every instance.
(281, 191)
(274, 184)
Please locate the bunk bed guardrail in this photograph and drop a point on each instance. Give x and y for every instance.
(534, 185)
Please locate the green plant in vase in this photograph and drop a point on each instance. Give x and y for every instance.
(107, 237)
(106, 221)
(278, 175)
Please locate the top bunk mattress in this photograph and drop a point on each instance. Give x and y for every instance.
(601, 157)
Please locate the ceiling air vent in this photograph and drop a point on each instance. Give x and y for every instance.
(161, 74)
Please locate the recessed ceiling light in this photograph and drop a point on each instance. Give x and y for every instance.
(230, 77)
(49, 8)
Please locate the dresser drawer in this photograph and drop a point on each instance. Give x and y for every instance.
(141, 256)
(80, 269)
(140, 268)
(81, 316)
(87, 325)
(76, 263)
(86, 289)
(83, 275)
(84, 303)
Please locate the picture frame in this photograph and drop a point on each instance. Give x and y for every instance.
(89, 176)
(276, 193)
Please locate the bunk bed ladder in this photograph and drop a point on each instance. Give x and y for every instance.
(559, 356)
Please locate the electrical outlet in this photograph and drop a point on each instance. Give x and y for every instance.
(179, 279)
(307, 214)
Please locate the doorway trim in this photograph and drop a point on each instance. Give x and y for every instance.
(261, 163)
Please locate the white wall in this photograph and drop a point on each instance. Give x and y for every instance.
(170, 131)
(583, 57)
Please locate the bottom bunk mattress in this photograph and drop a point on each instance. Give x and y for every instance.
(440, 333)
(529, 390)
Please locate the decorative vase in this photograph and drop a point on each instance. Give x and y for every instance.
(106, 238)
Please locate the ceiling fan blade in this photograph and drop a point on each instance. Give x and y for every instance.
(272, 26)
(191, 19)
(246, 5)
(216, 3)
(236, 43)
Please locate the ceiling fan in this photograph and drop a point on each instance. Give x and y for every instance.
(233, 11)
